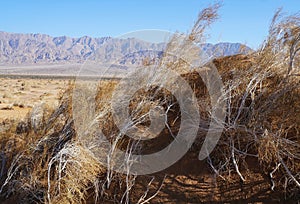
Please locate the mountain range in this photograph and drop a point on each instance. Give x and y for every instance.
(28, 49)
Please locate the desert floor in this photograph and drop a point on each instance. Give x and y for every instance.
(19, 94)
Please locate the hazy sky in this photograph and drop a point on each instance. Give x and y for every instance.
(244, 21)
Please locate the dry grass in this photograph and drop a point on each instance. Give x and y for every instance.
(50, 164)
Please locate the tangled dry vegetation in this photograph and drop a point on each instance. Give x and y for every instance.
(48, 164)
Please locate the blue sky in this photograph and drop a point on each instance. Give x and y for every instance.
(244, 21)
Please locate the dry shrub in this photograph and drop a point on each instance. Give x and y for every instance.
(48, 165)
(260, 90)
(76, 170)
(263, 120)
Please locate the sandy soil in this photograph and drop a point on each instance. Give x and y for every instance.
(19, 95)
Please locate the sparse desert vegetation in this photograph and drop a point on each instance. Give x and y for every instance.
(18, 94)
(257, 159)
